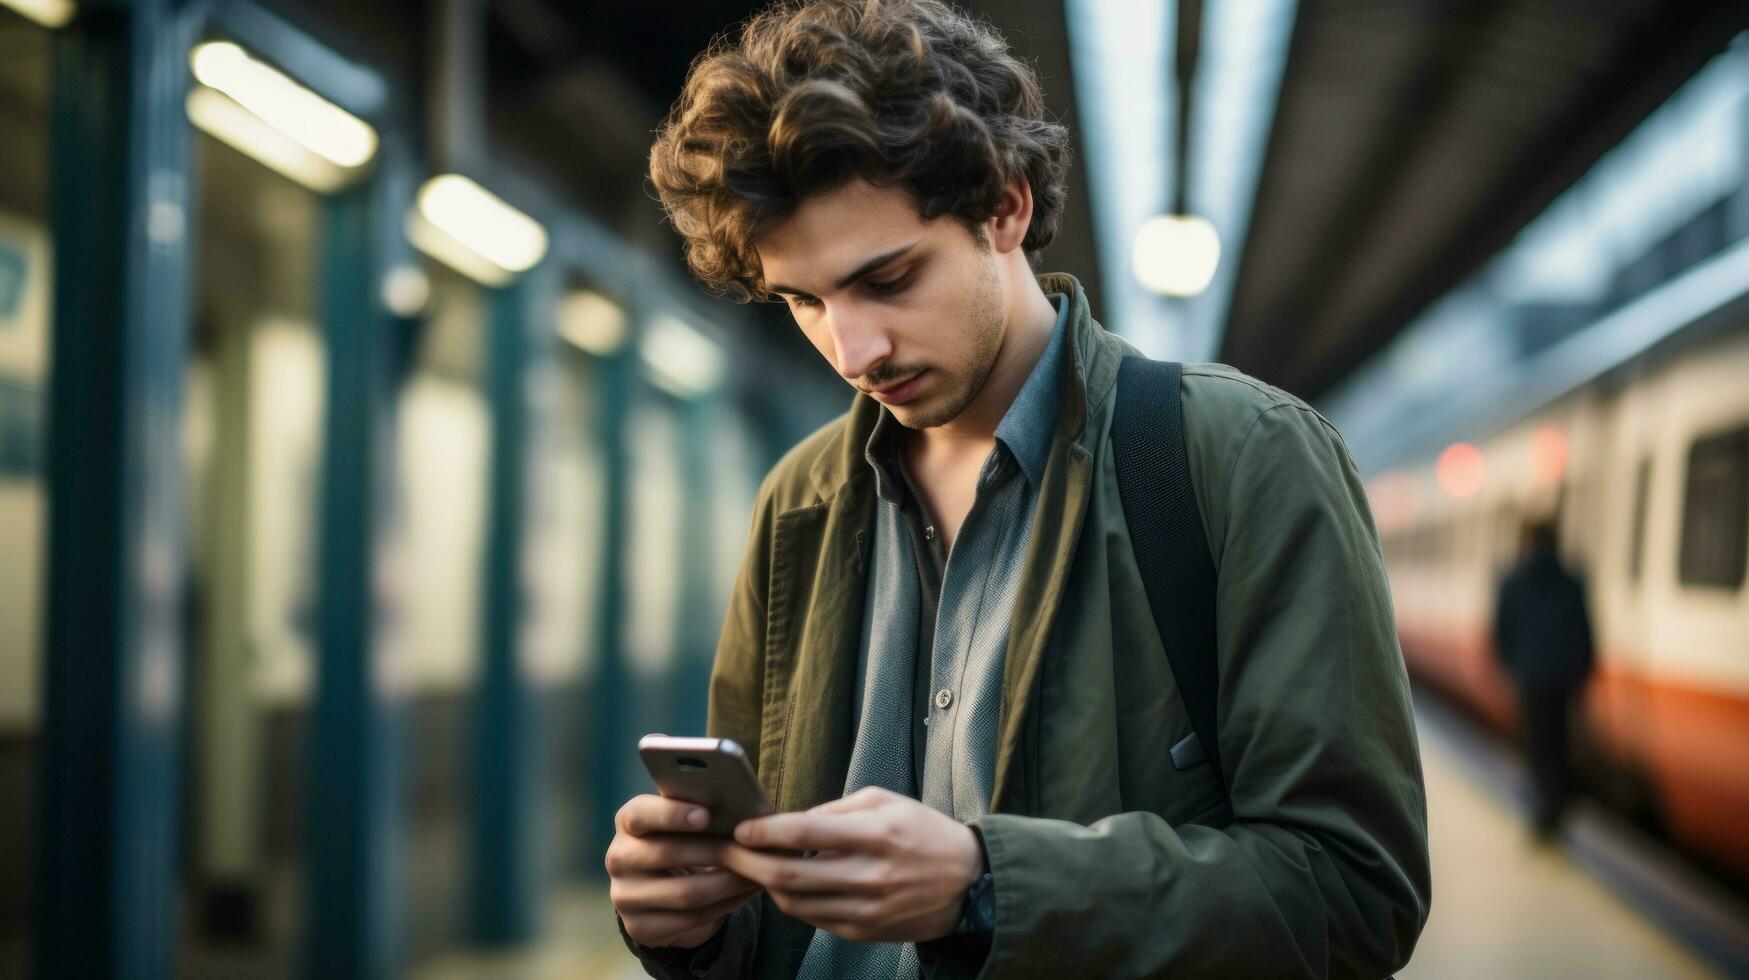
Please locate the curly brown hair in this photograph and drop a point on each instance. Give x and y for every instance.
(906, 93)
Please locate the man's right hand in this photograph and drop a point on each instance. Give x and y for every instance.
(668, 883)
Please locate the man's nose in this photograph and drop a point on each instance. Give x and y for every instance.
(859, 342)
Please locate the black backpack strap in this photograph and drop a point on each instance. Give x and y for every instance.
(1159, 503)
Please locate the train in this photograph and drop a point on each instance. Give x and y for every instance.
(1645, 471)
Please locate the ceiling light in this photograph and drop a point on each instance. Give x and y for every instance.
(250, 135)
(311, 121)
(48, 13)
(681, 361)
(463, 225)
(592, 322)
(1176, 255)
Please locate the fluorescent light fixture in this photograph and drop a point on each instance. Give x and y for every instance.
(313, 122)
(249, 134)
(592, 322)
(1176, 255)
(681, 361)
(48, 13)
(472, 230)
(440, 245)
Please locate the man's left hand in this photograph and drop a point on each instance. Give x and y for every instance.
(889, 869)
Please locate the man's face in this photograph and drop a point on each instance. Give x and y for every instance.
(909, 311)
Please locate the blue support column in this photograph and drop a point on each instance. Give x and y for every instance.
(697, 631)
(609, 774)
(509, 747)
(105, 873)
(353, 895)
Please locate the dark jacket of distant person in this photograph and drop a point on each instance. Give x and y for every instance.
(1542, 630)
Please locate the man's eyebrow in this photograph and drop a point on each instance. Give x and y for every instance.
(861, 270)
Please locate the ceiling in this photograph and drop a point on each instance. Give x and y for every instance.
(1414, 138)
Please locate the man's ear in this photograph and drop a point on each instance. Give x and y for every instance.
(1007, 227)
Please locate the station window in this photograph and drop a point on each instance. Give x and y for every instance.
(1637, 532)
(1715, 511)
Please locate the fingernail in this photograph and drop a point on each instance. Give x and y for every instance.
(697, 818)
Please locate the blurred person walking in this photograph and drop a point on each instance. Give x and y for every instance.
(1061, 672)
(1542, 636)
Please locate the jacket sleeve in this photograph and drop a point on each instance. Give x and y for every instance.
(728, 954)
(734, 710)
(1324, 869)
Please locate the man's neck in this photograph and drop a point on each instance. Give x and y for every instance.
(1023, 343)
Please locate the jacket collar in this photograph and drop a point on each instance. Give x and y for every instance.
(1092, 369)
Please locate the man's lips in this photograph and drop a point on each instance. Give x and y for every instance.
(898, 394)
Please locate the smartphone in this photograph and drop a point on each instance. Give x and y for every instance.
(712, 772)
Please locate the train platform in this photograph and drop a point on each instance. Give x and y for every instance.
(1603, 902)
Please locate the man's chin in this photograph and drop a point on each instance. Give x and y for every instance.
(921, 414)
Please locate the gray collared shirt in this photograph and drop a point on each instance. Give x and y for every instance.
(1006, 487)
(935, 634)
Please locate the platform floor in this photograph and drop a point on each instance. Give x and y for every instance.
(582, 944)
(1503, 907)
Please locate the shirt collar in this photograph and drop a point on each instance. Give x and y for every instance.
(881, 453)
(1027, 426)
(1025, 429)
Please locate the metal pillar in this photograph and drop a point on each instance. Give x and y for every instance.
(608, 773)
(105, 865)
(698, 631)
(509, 748)
(352, 893)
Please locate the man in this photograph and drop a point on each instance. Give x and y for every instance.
(1542, 635)
(939, 654)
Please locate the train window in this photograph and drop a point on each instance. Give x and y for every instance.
(1637, 532)
(1715, 511)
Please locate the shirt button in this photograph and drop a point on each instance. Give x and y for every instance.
(943, 698)
(929, 532)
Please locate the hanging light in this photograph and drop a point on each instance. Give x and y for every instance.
(592, 322)
(681, 361)
(472, 230)
(262, 112)
(1176, 255)
(48, 13)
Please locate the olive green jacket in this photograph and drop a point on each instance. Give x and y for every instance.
(1108, 860)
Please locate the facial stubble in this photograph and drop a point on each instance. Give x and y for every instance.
(985, 312)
